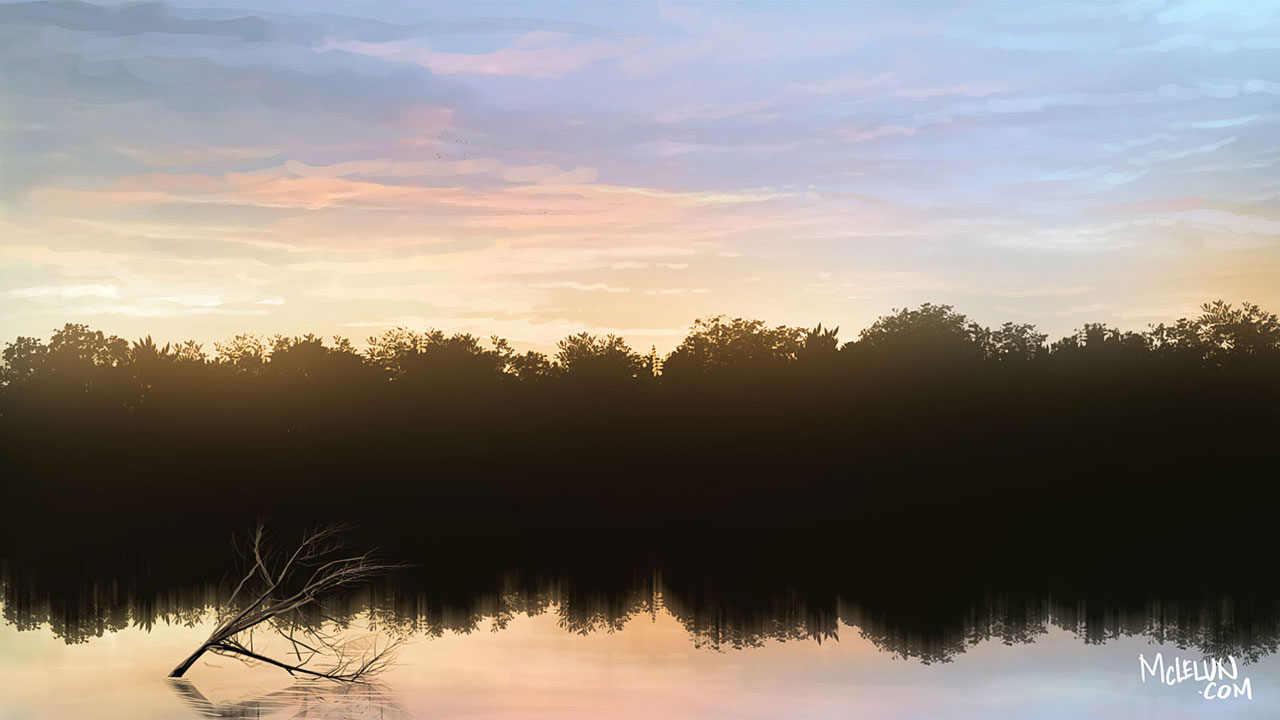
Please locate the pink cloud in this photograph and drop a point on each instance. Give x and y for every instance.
(864, 135)
(540, 55)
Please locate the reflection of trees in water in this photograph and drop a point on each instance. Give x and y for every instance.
(1217, 626)
(929, 435)
(716, 625)
(1213, 626)
(928, 440)
(578, 612)
(99, 609)
(931, 641)
(300, 700)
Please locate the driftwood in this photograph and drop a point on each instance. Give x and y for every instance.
(284, 593)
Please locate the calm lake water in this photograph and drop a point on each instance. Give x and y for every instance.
(649, 667)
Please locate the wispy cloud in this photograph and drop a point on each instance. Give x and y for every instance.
(558, 169)
(584, 287)
(67, 291)
(1044, 291)
(536, 55)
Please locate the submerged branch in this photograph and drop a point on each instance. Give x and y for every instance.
(282, 595)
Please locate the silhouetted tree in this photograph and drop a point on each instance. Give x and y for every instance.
(819, 342)
(1220, 335)
(165, 372)
(433, 358)
(245, 353)
(603, 360)
(78, 366)
(719, 346)
(931, 336)
(530, 367)
(308, 357)
(456, 359)
(24, 361)
(1016, 343)
(390, 350)
(1100, 346)
(77, 345)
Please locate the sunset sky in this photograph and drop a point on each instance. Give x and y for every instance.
(533, 170)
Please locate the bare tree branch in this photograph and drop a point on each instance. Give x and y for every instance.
(283, 593)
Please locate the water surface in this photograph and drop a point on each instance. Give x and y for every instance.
(530, 666)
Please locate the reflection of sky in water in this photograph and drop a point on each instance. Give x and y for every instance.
(533, 669)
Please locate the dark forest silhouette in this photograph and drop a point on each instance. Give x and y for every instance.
(922, 614)
(309, 384)
(742, 425)
(108, 373)
(932, 457)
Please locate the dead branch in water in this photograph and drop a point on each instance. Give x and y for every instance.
(300, 701)
(284, 592)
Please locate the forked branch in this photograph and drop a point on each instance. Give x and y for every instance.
(284, 592)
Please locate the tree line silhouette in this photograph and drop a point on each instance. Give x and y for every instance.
(740, 415)
(906, 473)
(94, 371)
(78, 361)
(923, 616)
